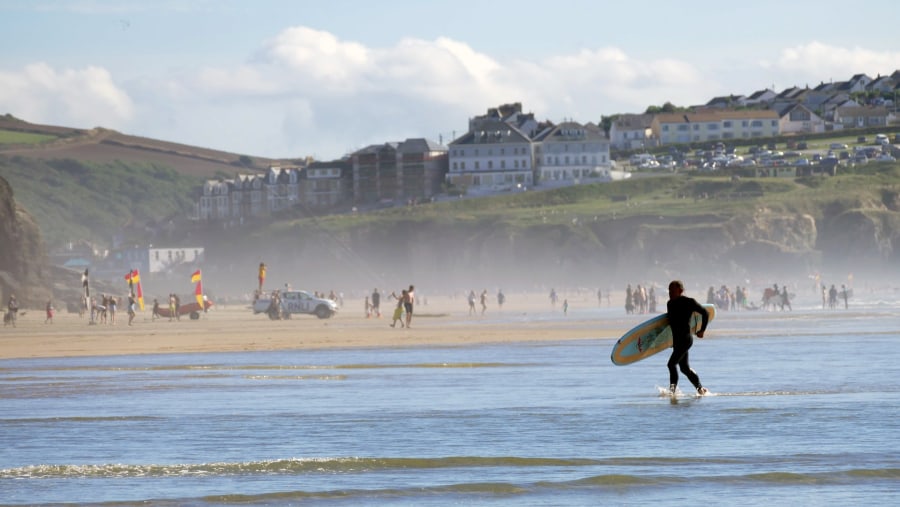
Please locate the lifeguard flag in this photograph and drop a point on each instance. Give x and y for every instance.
(198, 293)
(195, 277)
(134, 283)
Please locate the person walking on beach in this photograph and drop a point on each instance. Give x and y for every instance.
(50, 310)
(261, 276)
(398, 311)
(376, 303)
(471, 302)
(171, 307)
(131, 308)
(500, 299)
(155, 315)
(679, 310)
(483, 301)
(408, 304)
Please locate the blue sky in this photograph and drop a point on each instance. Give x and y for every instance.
(296, 78)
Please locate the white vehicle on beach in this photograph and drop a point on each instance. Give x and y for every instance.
(295, 301)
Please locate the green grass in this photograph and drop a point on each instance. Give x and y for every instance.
(15, 137)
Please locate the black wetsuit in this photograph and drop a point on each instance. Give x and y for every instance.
(680, 310)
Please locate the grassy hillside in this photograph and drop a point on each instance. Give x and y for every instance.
(671, 196)
(73, 200)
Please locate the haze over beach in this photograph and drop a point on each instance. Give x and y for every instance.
(286, 79)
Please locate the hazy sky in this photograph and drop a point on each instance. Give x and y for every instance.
(324, 78)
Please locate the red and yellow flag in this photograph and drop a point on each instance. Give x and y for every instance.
(134, 283)
(198, 290)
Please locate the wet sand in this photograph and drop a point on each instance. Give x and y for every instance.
(232, 328)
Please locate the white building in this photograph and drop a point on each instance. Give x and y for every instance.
(495, 156)
(674, 128)
(631, 132)
(572, 152)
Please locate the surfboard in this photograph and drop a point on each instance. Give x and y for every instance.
(651, 337)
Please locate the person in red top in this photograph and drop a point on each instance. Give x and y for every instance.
(679, 311)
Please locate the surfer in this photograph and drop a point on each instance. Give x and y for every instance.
(680, 308)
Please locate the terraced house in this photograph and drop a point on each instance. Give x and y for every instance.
(682, 128)
(497, 152)
(572, 152)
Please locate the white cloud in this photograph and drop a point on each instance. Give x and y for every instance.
(815, 62)
(73, 97)
(307, 91)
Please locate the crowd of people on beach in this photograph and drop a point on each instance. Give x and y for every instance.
(639, 299)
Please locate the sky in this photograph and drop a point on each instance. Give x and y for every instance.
(290, 79)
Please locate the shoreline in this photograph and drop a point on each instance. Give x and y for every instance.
(237, 329)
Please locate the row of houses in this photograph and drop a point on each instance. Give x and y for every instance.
(502, 149)
(507, 148)
(795, 110)
(412, 169)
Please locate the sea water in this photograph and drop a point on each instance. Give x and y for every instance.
(804, 411)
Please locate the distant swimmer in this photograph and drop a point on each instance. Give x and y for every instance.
(680, 308)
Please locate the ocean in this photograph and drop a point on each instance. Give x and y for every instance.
(804, 411)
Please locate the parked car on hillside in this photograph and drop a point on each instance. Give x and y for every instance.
(838, 146)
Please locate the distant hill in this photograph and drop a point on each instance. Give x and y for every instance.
(94, 185)
(99, 145)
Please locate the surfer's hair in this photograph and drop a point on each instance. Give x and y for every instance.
(676, 283)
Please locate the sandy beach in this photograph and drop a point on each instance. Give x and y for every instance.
(442, 322)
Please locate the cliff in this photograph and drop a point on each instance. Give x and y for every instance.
(23, 258)
(763, 245)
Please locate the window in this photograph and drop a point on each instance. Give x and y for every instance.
(726, 124)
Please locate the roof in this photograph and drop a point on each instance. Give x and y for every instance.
(572, 131)
(758, 94)
(862, 111)
(420, 145)
(708, 116)
(493, 132)
(633, 121)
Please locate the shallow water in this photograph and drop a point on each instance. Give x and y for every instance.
(803, 409)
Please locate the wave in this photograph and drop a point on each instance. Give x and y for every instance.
(471, 490)
(299, 466)
(291, 466)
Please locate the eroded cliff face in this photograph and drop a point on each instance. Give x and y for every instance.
(762, 246)
(23, 257)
